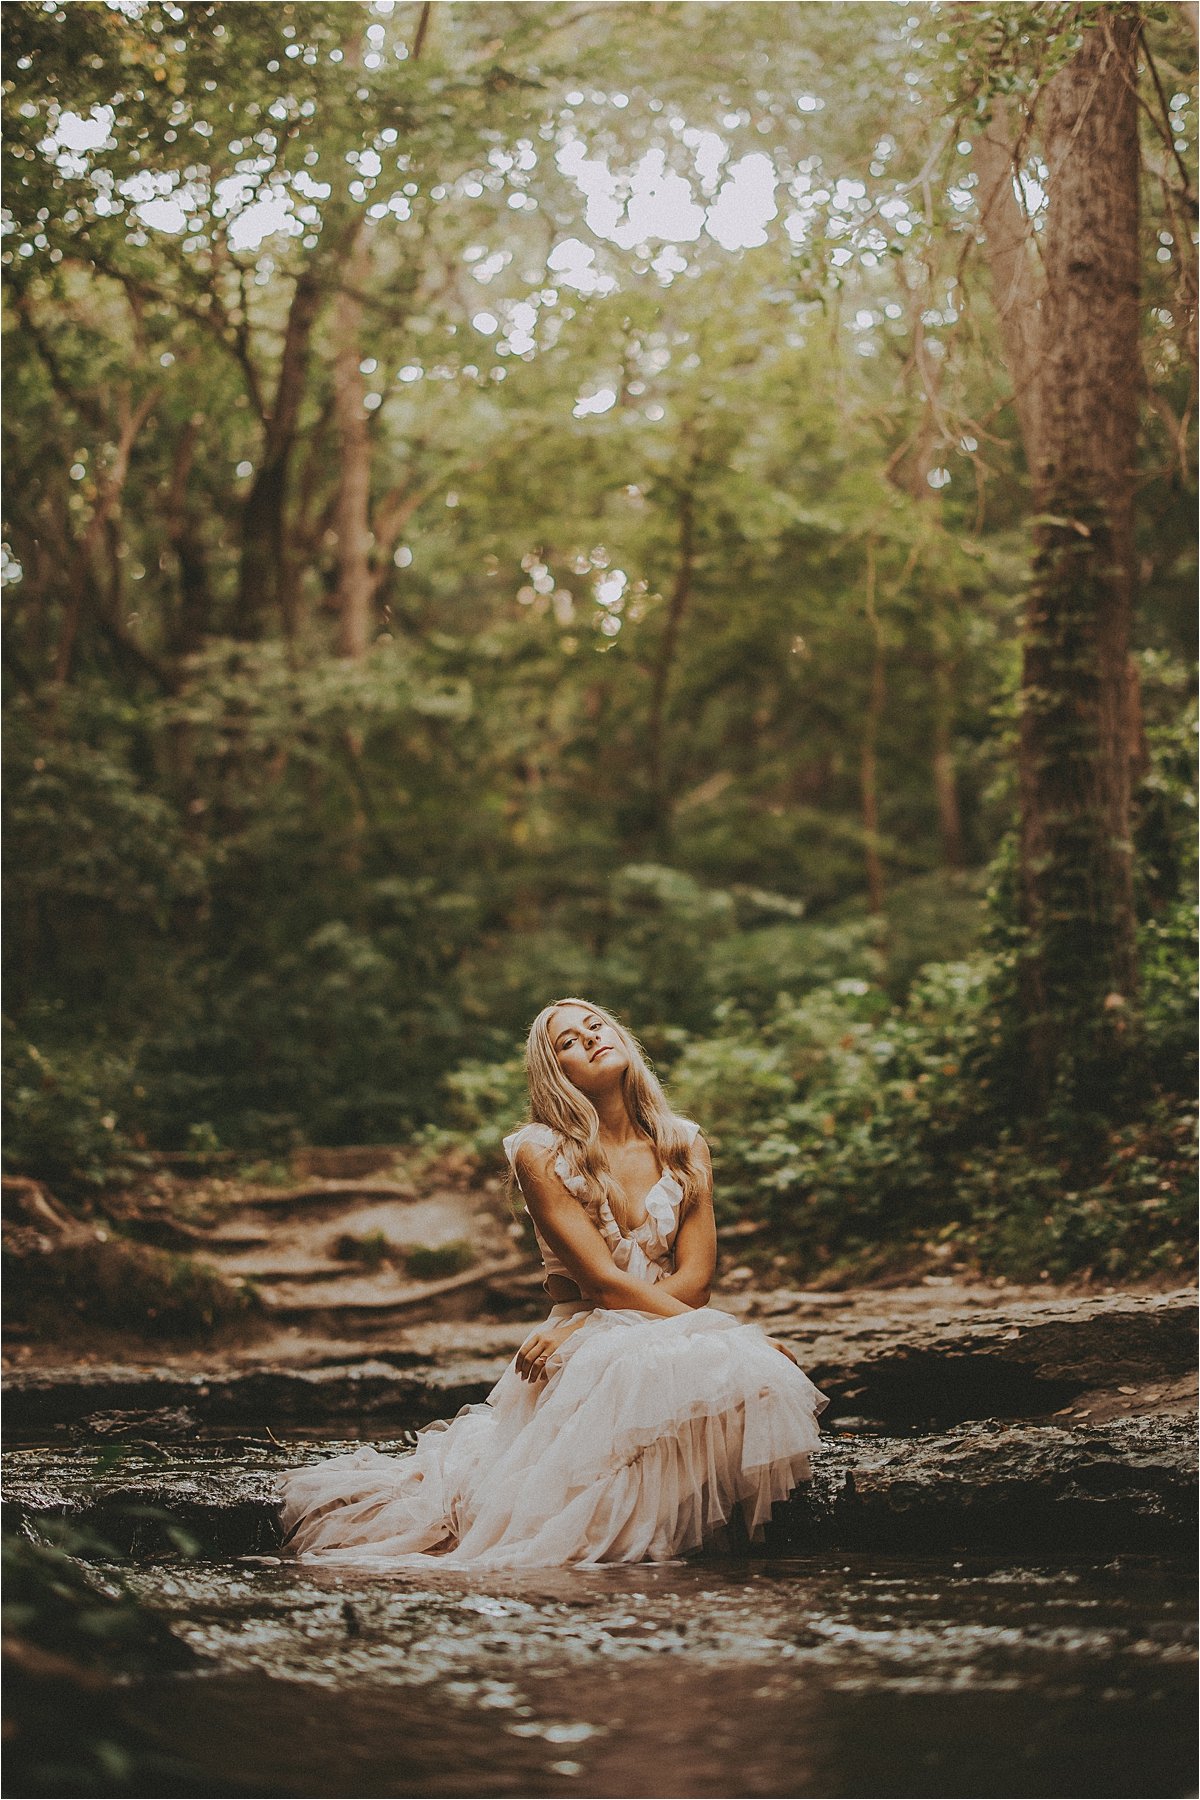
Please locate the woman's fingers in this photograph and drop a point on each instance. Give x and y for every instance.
(537, 1350)
(531, 1357)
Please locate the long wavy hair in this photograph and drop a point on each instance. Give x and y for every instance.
(555, 1102)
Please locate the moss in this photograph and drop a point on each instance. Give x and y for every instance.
(117, 1284)
(428, 1263)
(371, 1249)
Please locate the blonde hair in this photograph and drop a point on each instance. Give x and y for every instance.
(555, 1102)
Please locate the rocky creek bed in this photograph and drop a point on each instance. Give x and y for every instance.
(985, 1589)
(812, 1675)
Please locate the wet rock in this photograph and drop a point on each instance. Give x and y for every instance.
(137, 1500)
(159, 1426)
(916, 1365)
(1127, 1486)
(361, 1393)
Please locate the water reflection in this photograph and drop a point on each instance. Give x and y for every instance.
(732, 1677)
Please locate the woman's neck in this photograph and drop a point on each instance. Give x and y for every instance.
(616, 1126)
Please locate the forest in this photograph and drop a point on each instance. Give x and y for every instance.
(690, 505)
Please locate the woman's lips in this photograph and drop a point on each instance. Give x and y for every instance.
(600, 1052)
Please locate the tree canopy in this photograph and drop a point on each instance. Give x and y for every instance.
(506, 498)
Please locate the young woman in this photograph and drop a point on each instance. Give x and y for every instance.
(634, 1420)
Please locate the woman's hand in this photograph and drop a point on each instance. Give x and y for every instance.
(541, 1345)
(783, 1350)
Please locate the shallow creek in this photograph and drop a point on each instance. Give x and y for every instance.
(800, 1676)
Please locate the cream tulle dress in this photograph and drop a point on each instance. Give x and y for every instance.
(646, 1434)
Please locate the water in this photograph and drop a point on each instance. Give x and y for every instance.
(799, 1676)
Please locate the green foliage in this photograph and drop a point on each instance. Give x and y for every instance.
(860, 1130)
(116, 1285)
(371, 1248)
(426, 1262)
(866, 1132)
(260, 892)
(483, 1101)
(72, 1632)
(56, 1600)
(1121, 1207)
(65, 1113)
(80, 825)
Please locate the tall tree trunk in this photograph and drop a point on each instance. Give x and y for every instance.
(355, 589)
(869, 751)
(945, 784)
(1080, 971)
(193, 610)
(911, 473)
(681, 593)
(81, 582)
(263, 584)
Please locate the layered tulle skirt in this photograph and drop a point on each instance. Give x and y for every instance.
(646, 1435)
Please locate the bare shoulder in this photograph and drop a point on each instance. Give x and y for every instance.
(533, 1158)
(541, 1183)
(700, 1152)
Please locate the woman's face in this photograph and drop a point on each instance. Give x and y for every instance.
(588, 1050)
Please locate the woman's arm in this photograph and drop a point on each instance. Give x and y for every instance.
(695, 1242)
(576, 1241)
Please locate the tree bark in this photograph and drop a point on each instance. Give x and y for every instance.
(1080, 970)
(81, 579)
(681, 593)
(912, 474)
(945, 784)
(193, 610)
(264, 587)
(355, 582)
(868, 754)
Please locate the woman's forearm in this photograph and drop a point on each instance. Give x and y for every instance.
(628, 1292)
(686, 1287)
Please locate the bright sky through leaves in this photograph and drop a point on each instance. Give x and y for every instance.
(652, 202)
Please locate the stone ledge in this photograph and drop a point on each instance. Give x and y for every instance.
(888, 1357)
(1125, 1487)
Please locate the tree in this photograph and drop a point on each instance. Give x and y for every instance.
(1071, 340)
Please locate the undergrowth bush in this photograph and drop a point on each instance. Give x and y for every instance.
(115, 1284)
(434, 1262)
(865, 1133)
(75, 1638)
(66, 1112)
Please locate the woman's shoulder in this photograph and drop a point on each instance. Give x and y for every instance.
(540, 1135)
(690, 1127)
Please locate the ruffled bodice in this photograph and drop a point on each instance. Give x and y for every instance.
(648, 1249)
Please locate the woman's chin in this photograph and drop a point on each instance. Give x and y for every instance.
(601, 1077)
